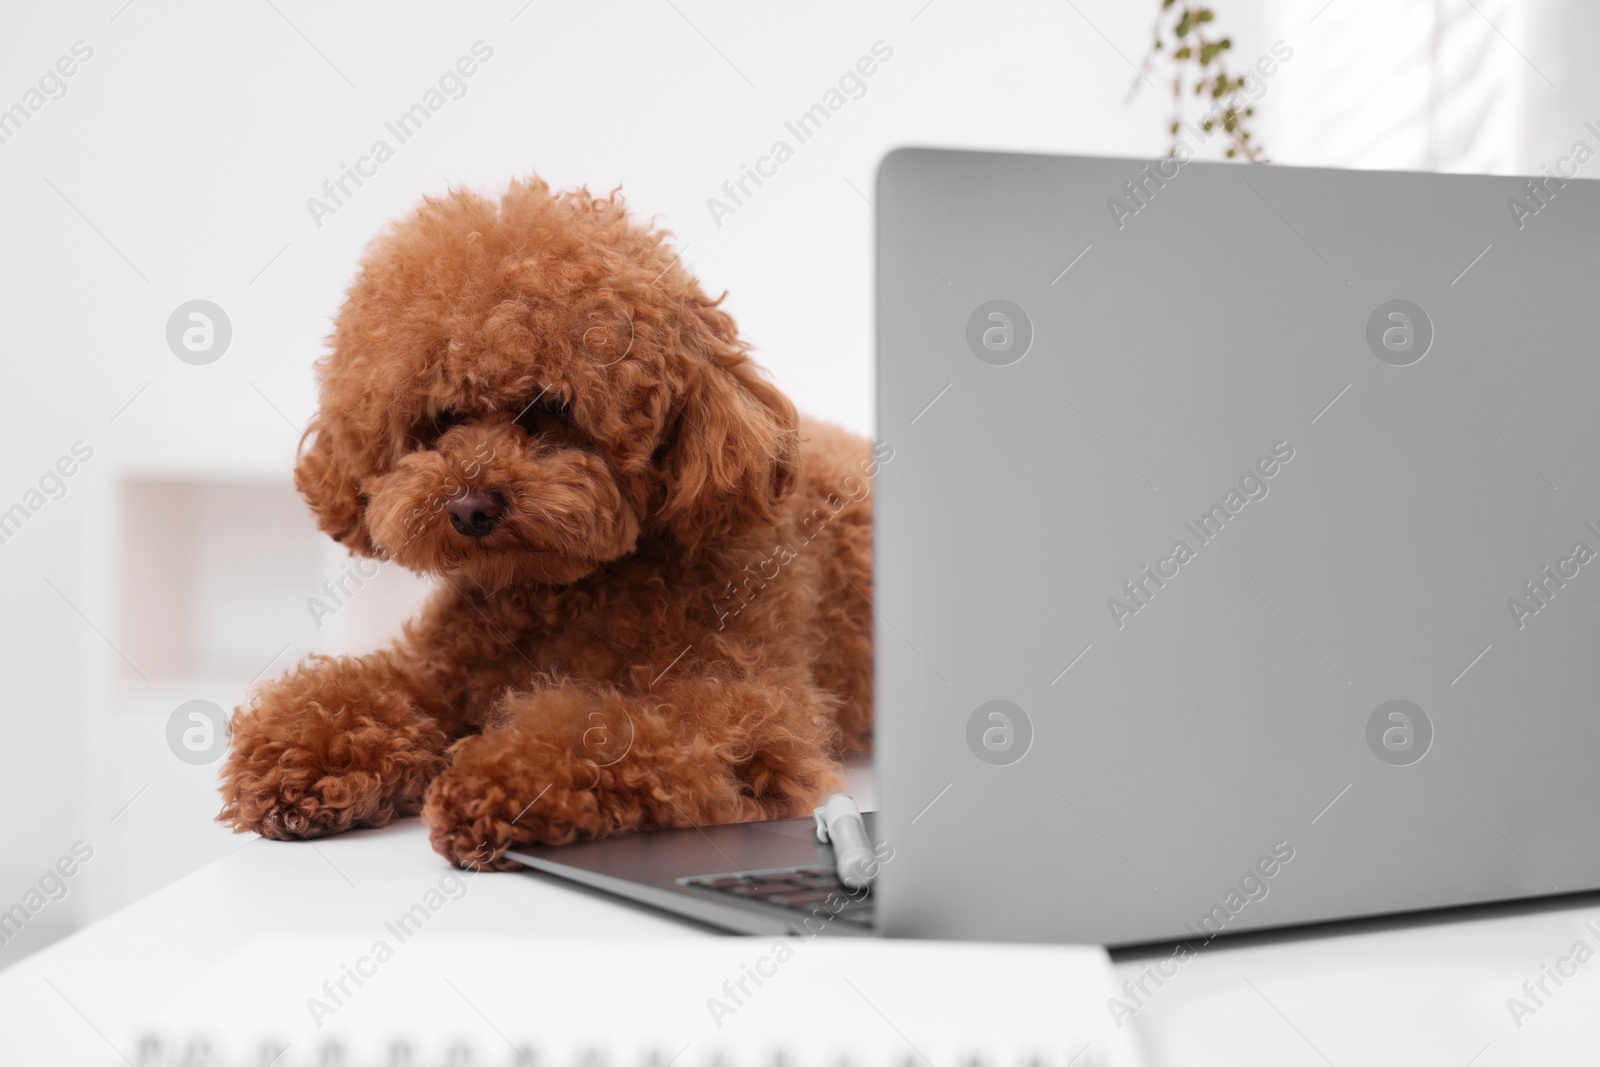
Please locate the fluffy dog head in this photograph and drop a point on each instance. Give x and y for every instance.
(524, 391)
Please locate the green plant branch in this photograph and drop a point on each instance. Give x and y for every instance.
(1199, 69)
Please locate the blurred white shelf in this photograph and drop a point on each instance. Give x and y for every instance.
(208, 570)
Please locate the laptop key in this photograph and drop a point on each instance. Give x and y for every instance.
(801, 898)
(726, 882)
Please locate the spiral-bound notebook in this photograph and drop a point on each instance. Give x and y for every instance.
(388, 1001)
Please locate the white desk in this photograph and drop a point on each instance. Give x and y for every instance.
(1413, 991)
(109, 974)
(1423, 992)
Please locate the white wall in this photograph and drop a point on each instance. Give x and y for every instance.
(178, 164)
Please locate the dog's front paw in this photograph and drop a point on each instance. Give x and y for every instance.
(308, 772)
(497, 794)
(283, 813)
(297, 796)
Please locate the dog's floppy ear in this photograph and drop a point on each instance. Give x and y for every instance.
(733, 450)
(334, 498)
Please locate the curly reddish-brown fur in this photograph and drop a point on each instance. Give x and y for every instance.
(669, 622)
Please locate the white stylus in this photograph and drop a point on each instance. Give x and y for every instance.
(839, 821)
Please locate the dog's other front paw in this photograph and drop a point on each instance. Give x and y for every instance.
(495, 795)
(283, 813)
(300, 770)
(297, 799)
(567, 763)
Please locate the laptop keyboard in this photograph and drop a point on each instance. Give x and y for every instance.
(815, 890)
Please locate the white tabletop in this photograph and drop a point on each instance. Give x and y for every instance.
(1421, 991)
(56, 1003)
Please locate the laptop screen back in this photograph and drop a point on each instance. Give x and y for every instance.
(1238, 557)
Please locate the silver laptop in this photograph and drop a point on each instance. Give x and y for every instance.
(1238, 565)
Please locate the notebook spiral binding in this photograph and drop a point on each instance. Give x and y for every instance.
(154, 1050)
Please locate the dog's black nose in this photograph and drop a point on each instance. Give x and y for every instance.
(474, 512)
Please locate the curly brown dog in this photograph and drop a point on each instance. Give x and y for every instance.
(653, 578)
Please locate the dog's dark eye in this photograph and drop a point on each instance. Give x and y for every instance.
(430, 428)
(543, 414)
